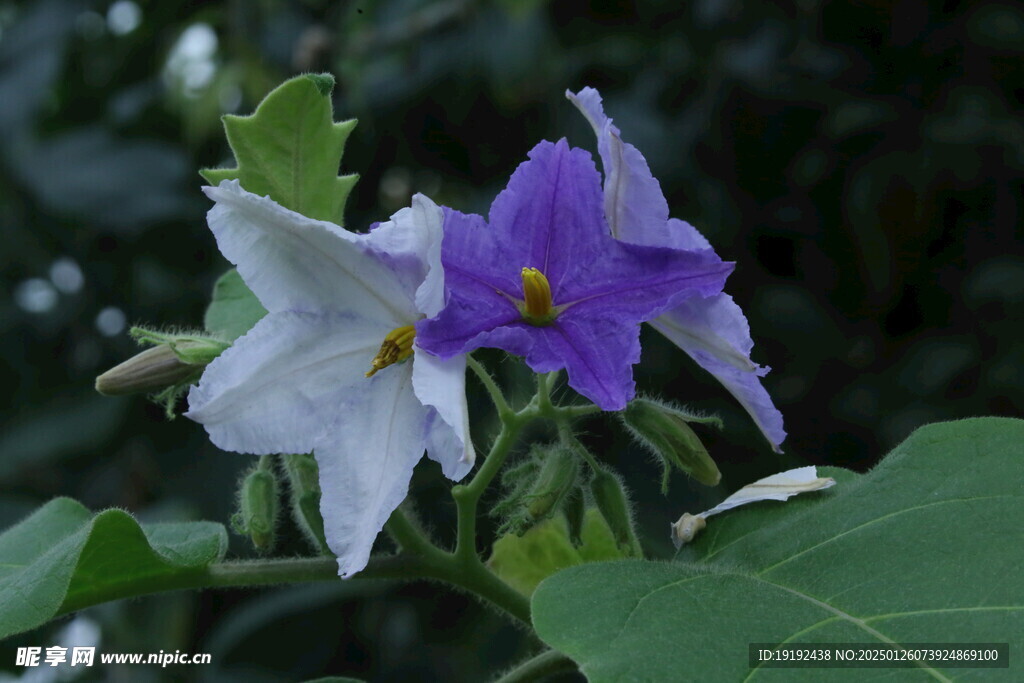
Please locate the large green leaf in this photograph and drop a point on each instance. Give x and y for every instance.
(234, 309)
(290, 149)
(62, 557)
(926, 548)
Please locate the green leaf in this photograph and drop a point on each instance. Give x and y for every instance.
(234, 309)
(524, 561)
(62, 558)
(924, 548)
(290, 149)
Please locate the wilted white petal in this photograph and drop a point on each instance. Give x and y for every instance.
(441, 384)
(292, 262)
(366, 463)
(781, 486)
(277, 389)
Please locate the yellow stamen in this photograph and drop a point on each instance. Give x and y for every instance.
(397, 346)
(537, 297)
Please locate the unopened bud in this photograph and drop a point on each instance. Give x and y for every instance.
(304, 483)
(148, 372)
(257, 503)
(559, 469)
(665, 432)
(575, 512)
(613, 503)
(175, 360)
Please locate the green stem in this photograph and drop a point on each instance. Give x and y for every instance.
(498, 398)
(468, 573)
(467, 496)
(545, 664)
(241, 574)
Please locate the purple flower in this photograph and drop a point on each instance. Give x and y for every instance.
(712, 330)
(543, 278)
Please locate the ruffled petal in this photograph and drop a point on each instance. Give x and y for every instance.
(634, 204)
(366, 463)
(277, 389)
(441, 384)
(292, 262)
(715, 333)
(551, 212)
(598, 352)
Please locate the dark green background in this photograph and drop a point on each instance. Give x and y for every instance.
(860, 161)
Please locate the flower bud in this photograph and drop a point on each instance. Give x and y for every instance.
(559, 469)
(304, 484)
(665, 432)
(175, 360)
(151, 371)
(611, 499)
(257, 503)
(574, 508)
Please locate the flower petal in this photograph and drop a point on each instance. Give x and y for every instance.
(276, 390)
(474, 317)
(366, 464)
(551, 213)
(633, 201)
(441, 384)
(715, 333)
(296, 263)
(641, 282)
(598, 351)
(410, 243)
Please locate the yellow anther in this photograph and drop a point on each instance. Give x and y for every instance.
(537, 297)
(396, 347)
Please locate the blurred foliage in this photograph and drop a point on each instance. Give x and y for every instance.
(862, 162)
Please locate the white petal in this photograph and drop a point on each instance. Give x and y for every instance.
(292, 262)
(779, 486)
(277, 389)
(441, 384)
(412, 241)
(366, 462)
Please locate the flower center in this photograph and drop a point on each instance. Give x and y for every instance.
(396, 347)
(536, 308)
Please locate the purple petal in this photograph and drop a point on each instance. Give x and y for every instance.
(640, 282)
(473, 319)
(715, 333)
(550, 215)
(597, 351)
(633, 201)
(477, 257)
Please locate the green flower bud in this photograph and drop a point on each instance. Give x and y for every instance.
(164, 371)
(611, 499)
(257, 507)
(575, 513)
(665, 432)
(151, 371)
(304, 485)
(557, 476)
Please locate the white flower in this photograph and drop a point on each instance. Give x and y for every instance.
(297, 381)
